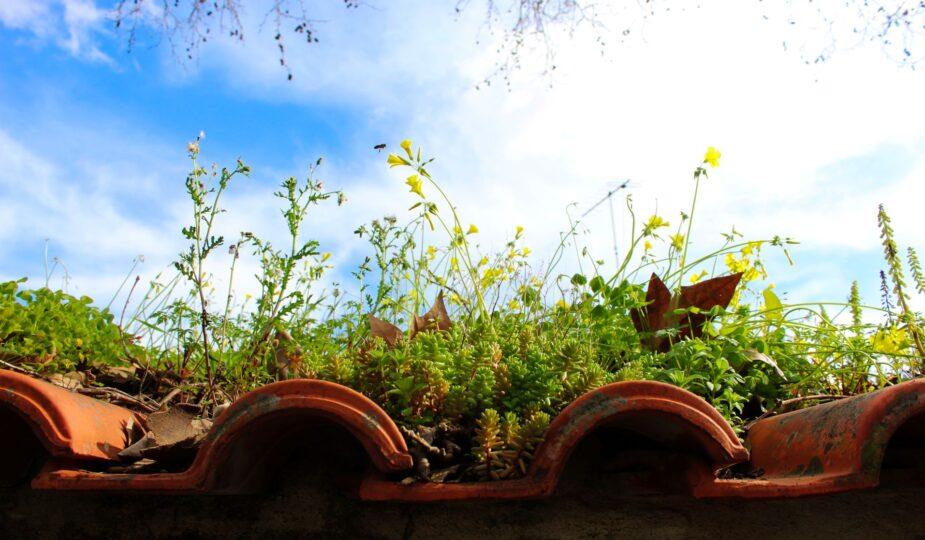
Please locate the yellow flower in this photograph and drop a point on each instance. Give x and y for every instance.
(677, 241)
(325, 256)
(247, 297)
(483, 261)
(654, 223)
(415, 183)
(561, 304)
(396, 160)
(79, 342)
(647, 246)
(711, 157)
(454, 264)
(525, 251)
(519, 230)
(431, 252)
(513, 305)
(406, 144)
(890, 341)
(457, 229)
(697, 277)
(472, 229)
(749, 247)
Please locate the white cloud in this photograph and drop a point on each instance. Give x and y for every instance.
(646, 111)
(73, 25)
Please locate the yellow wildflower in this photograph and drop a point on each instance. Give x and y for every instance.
(415, 183)
(654, 223)
(647, 246)
(513, 305)
(454, 264)
(325, 256)
(677, 241)
(519, 230)
(472, 229)
(431, 252)
(79, 342)
(457, 229)
(483, 261)
(697, 277)
(395, 160)
(406, 144)
(711, 157)
(525, 251)
(561, 304)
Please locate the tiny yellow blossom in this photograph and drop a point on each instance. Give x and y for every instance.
(247, 297)
(454, 264)
(79, 342)
(697, 277)
(406, 144)
(654, 223)
(431, 252)
(325, 256)
(457, 229)
(561, 304)
(525, 251)
(677, 241)
(395, 160)
(647, 246)
(711, 157)
(483, 261)
(513, 305)
(414, 182)
(519, 230)
(472, 229)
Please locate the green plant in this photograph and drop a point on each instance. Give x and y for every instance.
(505, 345)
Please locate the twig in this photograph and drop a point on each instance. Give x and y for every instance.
(172, 394)
(786, 404)
(431, 449)
(116, 394)
(19, 369)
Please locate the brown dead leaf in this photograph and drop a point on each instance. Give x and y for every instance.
(658, 312)
(437, 318)
(173, 437)
(71, 381)
(385, 330)
(288, 355)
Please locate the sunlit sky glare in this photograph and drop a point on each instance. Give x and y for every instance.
(93, 138)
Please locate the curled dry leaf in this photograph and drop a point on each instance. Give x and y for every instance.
(288, 355)
(385, 330)
(761, 357)
(437, 318)
(658, 314)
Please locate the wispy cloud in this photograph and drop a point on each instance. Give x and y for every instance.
(72, 25)
(795, 139)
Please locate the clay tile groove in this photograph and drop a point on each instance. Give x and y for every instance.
(658, 404)
(245, 432)
(835, 446)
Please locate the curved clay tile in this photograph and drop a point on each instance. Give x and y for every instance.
(835, 446)
(68, 424)
(660, 411)
(242, 436)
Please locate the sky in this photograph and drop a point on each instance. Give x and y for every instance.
(93, 137)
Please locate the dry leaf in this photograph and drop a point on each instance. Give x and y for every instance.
(437, 318)
(387, 331)
(658, 314)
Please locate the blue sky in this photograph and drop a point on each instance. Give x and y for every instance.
(92, 139)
